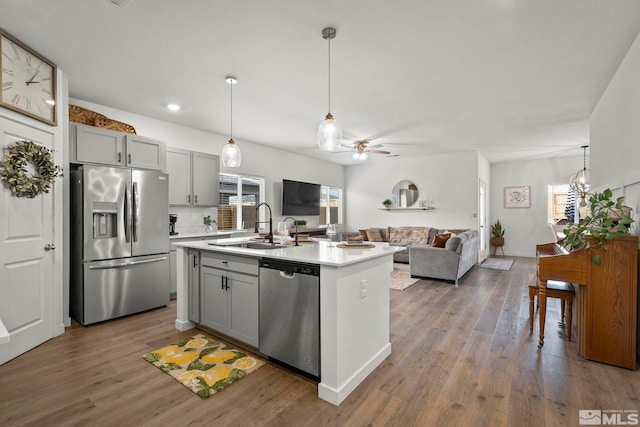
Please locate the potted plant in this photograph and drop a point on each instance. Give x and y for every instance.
(607, 220)
(387, 203)
(497, 235)
(208, 223)
(300, 222)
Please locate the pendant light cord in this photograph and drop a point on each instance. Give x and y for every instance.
(231, 131)
(329, 72)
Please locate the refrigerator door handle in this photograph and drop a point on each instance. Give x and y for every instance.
(126, 264)
(136, 213)
(127, 213)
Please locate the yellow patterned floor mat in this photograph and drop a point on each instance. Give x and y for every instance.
(202, 364)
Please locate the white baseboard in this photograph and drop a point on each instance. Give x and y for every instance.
(336, 397)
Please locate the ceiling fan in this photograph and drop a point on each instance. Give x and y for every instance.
(361, 148)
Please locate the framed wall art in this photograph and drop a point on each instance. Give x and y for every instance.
(517, 197)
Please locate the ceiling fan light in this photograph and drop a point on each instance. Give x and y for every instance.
(231, 155)
(360, 156)
(329, 134)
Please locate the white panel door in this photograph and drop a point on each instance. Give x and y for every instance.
(29, 305)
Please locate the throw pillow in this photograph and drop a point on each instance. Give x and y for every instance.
(374, 235)
(363, 233)
(440, 240)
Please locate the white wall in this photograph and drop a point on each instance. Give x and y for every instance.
(449, 180)
(527, 227)
(615, 134)
(257, 160)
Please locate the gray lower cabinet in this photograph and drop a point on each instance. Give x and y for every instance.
(173, 278)
(194, 286)
(229, 296)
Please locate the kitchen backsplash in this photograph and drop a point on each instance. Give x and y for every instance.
(190, 220)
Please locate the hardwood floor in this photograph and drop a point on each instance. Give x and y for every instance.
(459, 357)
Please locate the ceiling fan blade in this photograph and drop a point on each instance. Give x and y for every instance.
(375, 146)
(377, 151)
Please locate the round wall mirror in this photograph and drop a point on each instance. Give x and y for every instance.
(404, 194)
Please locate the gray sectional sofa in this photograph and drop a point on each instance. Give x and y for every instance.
(459, 254)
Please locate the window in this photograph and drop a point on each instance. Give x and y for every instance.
(239, 196)
(563, 205)
(330, 205)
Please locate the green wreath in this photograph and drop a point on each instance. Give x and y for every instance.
(16, 176)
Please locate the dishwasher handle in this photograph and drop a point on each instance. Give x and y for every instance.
(287, 275)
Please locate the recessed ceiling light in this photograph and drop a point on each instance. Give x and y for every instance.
(173, 107)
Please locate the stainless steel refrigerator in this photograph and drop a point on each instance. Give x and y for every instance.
(119, 242)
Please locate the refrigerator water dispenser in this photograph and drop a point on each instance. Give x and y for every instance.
(105, 220)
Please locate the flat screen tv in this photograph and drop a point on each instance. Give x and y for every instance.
(300, 198)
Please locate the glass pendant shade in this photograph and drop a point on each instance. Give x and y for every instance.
(329, 134)
(231, 155)
(329, 131)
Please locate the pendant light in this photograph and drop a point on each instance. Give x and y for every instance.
(579, 182)
(231, 156)
(329, 131)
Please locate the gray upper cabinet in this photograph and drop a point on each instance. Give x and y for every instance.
(89, 144)
(145, 153)
(193, 178)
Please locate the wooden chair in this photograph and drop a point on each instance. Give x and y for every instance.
(555, 289)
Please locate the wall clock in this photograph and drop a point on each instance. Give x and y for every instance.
(28, 80)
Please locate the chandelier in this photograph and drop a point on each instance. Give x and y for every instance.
(580, 181)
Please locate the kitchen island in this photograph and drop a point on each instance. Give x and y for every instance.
(354, 304)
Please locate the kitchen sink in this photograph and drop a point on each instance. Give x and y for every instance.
(246, 244)
(261, 245)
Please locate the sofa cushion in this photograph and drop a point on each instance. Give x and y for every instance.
(374, 235)
(440, 240)
(452, 243)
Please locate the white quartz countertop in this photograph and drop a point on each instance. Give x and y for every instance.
(318, 252)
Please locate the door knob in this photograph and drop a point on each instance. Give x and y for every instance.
(49, 247)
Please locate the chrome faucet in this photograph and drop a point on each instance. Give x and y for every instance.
(270, 235)
(295, 223)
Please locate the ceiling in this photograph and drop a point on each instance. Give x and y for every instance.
(514, 79)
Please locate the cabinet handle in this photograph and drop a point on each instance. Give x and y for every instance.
(119, 157)
(189, 198)
(195, 198)
(226, 283)
(195, 261)
(222, 282)
(129, 158)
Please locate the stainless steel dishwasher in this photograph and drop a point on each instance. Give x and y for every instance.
(290, 313)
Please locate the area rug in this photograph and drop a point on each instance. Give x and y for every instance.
(202, 364)
(401, 278)
(497, 263)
